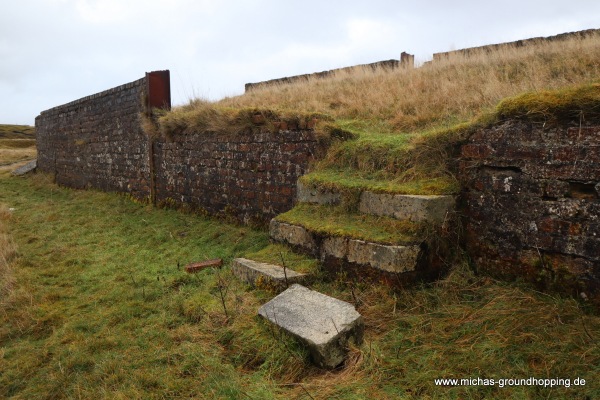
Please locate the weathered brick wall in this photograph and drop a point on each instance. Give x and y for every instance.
(250, 176)
(532, 204)
(97, 141)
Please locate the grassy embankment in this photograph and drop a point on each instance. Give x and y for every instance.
(94, 304)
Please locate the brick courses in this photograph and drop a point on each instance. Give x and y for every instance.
(532, 205)
(98, 142)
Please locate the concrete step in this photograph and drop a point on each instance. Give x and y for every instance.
(395, 258)
(260, 274)
(416, 208)
(324, 324)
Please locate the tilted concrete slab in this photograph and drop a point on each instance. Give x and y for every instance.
(414, 208)
(255, 272)
(294, 235)
(324, 324)
(316, 195)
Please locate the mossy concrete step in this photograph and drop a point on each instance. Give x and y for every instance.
(416, 208)
(317, 195)
(323, 323)
(258, 273)
(395, 258)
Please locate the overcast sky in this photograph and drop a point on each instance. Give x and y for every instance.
(56, 51)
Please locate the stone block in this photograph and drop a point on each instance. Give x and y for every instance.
(251, 272)
(324, 324)
(316, 195)
(24, 169)
(294, 235)
(333, 246)
(416, 208)
(383, 257)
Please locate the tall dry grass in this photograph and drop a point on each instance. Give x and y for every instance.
(8, 250)
(440, 93)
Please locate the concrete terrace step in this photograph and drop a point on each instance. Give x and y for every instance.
(385, 257)
(416, 208)
(324, 324)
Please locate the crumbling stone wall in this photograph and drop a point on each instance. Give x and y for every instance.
(250, 176)
(532, 204)
(97, 141)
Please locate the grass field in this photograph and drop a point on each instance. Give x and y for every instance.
(17, 144)
(95, 304)
(17, 132)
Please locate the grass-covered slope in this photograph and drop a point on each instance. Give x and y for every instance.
(17, 132)
(403, 125)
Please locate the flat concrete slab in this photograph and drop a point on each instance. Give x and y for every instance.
(414, 208)
(324, 324)
(22, 170)
(256, 273)
(316, 195)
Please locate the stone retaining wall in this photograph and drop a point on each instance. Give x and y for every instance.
(98, 142)
(250, 176)
(532, 204)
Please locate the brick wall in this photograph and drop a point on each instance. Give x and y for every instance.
(250, 176)
(532, 204)
(98, 142)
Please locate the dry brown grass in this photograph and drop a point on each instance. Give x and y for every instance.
(8, 251)
(438, 94)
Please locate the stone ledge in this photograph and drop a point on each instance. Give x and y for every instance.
(324, 324)
(388, 258)
(316, 195)
(252, 272)
(384, 257)
(294, 235)
(415, 208)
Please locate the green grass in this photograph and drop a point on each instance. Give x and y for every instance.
(17, 132)
(337, 221)
(355, 181)
(98, 308)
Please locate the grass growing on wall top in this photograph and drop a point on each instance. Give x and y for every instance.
(200, 116)
(99, 309)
